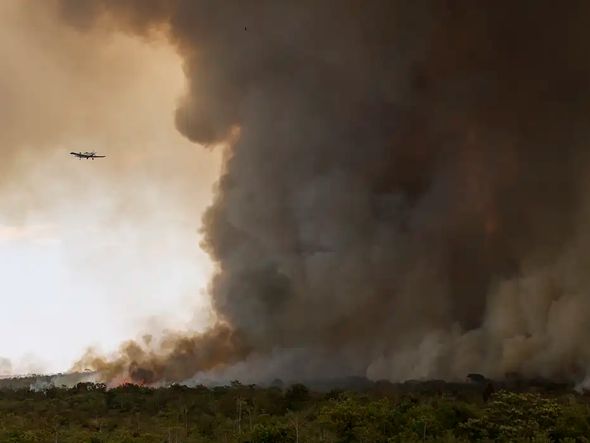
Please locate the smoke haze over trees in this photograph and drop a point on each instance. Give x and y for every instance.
(404, 195)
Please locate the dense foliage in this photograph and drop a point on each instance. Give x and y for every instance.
(250, 414)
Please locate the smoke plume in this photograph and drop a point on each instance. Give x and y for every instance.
(404, 195)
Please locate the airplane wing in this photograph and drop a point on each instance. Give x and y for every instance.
(99, 156)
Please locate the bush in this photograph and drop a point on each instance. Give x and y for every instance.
(271, 433)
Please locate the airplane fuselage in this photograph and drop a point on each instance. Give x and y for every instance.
(86, 155)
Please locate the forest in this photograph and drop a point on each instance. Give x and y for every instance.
(375, 412)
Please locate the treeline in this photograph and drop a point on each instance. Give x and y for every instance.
(250, 414)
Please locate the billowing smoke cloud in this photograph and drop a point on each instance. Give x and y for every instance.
(405, 197)
(181, 355)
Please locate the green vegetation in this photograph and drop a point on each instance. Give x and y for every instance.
(250, 414)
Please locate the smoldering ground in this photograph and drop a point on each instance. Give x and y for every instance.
(406, 195)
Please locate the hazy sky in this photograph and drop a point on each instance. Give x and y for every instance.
(91, 252)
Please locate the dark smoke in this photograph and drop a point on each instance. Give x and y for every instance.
(136, 364)
(405, 197)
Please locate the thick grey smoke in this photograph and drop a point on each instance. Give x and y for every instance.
(405, 195)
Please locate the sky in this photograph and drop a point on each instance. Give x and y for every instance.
(94, 252)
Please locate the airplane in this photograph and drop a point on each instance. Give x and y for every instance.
(92, 155)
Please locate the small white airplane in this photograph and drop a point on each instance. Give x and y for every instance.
(92, 155)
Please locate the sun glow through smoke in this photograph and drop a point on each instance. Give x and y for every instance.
(95, 252)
